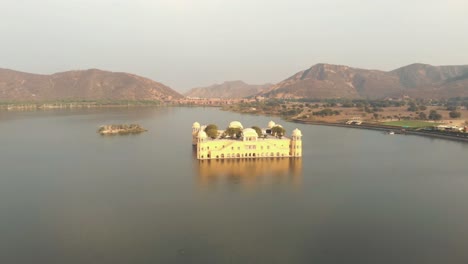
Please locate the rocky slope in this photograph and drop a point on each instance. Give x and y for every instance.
(90, 84)
(337, 81)
(232, 89)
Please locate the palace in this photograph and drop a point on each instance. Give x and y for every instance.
(237, 142)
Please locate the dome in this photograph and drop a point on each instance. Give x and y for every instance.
(196, 125)
(249, 132)
(271, 124)
(296, 133)
(236, 124)
(202, 134)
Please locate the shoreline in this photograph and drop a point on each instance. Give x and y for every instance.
(460, 137)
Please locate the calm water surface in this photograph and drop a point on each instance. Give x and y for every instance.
(69, 195)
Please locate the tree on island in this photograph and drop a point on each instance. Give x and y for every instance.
(212, 131)
(278, 131)
(233, 132)
(258, 130)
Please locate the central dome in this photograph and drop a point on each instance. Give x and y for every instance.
(249, 132)
(236, 124)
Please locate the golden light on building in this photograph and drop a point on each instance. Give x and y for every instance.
(247, 143)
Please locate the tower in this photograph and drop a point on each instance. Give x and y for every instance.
(201, 152)
(296, 143)
(195, 130)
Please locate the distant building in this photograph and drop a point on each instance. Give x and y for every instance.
(248, 145)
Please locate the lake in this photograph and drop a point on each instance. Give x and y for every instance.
(69, 195)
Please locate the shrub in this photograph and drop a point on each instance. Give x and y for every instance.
(433, 115)
(454, 114)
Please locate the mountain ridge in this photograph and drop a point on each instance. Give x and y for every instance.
(322, 81)
(227, 90)
(90, 84)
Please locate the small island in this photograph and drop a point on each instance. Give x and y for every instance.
(121, 129)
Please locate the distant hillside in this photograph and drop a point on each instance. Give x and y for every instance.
(427, 81)
(232, 89)
(90, 84)
(337, 81)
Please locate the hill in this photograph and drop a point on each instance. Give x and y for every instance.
(89, 84)
(338, 81)
(231, 89)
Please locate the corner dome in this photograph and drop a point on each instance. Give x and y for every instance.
(249, 132)
(297, 133)
(196, 125)
(236, 124)
(271, 124)
(202, 134)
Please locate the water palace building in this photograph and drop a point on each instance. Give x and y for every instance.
(248, 144)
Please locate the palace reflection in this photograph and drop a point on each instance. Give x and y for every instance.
(249, 173)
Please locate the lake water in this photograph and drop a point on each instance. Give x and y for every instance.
(69, 195)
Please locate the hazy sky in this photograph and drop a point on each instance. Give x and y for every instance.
(189, 43)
